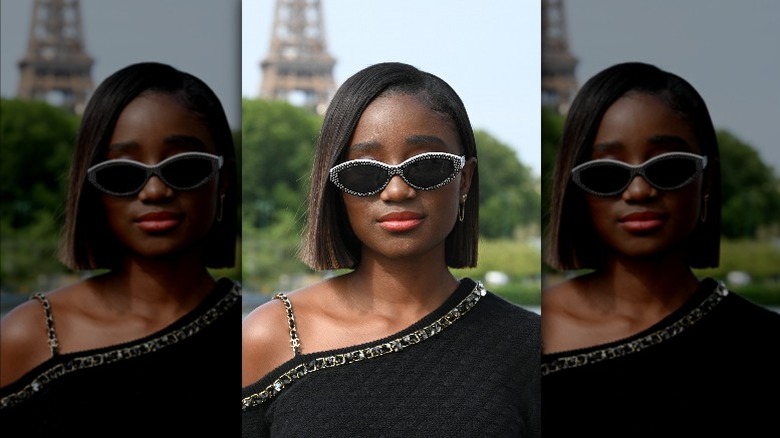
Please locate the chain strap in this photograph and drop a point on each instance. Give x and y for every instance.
(54, 345)
(295, 343)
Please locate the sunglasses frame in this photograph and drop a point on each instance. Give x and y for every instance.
(459, 161)
(639, 170)
(154, 170)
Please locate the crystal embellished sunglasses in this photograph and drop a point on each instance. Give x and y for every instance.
(669, 171)
(185, 171)
(426, 171)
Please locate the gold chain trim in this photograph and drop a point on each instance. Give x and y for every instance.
(635, 346)
(295, 343)
(393, 346)
(54, 346)
(150, 346)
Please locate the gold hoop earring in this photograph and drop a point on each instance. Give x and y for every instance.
(221, 207)
(462, 209)
(704, 210)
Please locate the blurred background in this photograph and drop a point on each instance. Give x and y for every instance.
(728, 52)
(49, 64)
(295, 54)
(489, 52)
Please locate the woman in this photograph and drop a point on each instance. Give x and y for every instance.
(639, 345)
(397, 346)
(152, 204)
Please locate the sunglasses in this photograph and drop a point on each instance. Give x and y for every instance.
(185, 171)
(668, 171)
(426, 171)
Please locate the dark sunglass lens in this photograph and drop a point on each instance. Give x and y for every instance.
(121, 178)
(604, 178)
(671, 173)
(363, 178)
(187, 172)
(429, 172)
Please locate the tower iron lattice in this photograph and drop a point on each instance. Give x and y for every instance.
(56, 67)
(559, 83)
(298, 67)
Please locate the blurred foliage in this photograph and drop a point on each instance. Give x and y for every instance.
(509, 193)
(751, 190)
(36, 142)
(279, 139)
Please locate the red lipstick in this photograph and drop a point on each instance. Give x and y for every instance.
(400, 221)
(158, 221)
(642, 222)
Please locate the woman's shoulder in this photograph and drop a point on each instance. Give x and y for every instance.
(559, 296)
(267, 333)
(24, 331)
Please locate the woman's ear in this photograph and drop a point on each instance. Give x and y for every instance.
(467, 173)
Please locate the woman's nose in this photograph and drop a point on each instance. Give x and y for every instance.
(155, 189)
(639, 189)
(397, 189)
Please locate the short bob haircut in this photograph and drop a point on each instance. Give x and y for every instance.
(572, 241)
(87, 242)
(329, 241)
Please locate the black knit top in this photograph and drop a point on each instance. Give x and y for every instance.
(708, 369)
(176, 382)
(469, 369)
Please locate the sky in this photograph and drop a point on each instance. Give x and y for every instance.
(201, 37)
(728, 50)
(488, 51)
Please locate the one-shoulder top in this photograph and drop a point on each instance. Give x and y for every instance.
(468, 369)
(174, 382)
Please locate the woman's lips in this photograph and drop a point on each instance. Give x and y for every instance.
(158, 222)
(642, 222)
(400, 221)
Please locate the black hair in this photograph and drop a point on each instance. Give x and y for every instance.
(572, 242)
(330, 242)
(87, 240)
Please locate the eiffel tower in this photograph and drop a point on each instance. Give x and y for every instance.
(56, 68)
(558, 81)
(298, 64)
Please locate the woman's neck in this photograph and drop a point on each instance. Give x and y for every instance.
(633, 286)
(406, 283)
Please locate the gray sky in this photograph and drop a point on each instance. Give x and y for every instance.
(201, 37)
(488, 51)
(728, 50)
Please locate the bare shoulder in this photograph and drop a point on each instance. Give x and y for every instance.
(23, 341)
(24, 331)
(266, 339)
(555, 297)
(263, 339)
(559, 303)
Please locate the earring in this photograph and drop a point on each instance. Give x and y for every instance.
(221, 207)
(462, 209)
(704, 210)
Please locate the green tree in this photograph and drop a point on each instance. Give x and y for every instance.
(552, 127)
(36, 142)
(278, 141)
(509, 193)
(751, 191)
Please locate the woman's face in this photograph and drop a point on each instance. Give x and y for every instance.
(643, 220)
(159, 221)
(401, 221)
